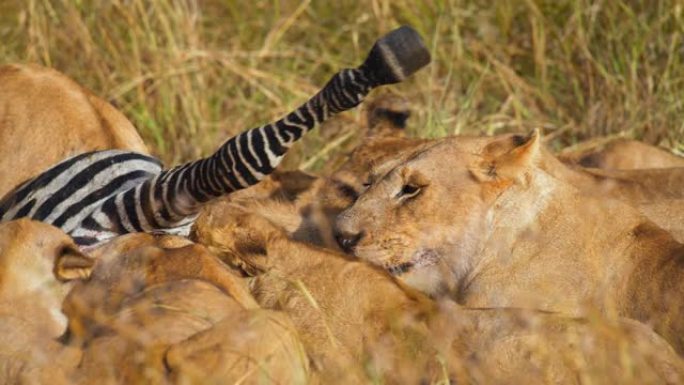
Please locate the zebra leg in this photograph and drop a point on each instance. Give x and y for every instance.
(247, 158)
(175, 196)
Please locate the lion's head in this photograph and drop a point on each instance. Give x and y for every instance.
(425, 215)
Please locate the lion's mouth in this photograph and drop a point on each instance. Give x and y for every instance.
(422, 258)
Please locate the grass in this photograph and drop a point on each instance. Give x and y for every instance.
(189, 74)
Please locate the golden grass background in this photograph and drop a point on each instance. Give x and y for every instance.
(190, 73)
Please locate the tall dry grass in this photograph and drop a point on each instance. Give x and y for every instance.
(191, 73)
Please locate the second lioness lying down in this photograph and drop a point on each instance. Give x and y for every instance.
(490, 227)
(620, 154)
(164, 310)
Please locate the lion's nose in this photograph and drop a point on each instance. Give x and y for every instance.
(347, 241)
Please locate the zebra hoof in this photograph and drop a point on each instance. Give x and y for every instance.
(396, 56)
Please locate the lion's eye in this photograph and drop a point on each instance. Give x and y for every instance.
(408, 191)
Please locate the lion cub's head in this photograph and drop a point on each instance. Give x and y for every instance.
(426, 214)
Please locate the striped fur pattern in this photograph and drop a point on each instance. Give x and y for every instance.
(96, 196)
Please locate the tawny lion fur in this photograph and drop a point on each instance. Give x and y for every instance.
(163, 309)
(45, 117)
(483, 221)
(622, 154)
(352, 316)
(35, 261)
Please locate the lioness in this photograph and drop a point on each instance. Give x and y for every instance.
(480, 220)
(128, 265)
(36, 260)
(45, 117)
(164, 309)
(358, 325)
(306, 205)
(188, 331)
(622, 154)
(307, 214)
(657, 193)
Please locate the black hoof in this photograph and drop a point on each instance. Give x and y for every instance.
(396, 56)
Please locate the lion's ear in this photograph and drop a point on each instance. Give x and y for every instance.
(72, 264)
(511, 163)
